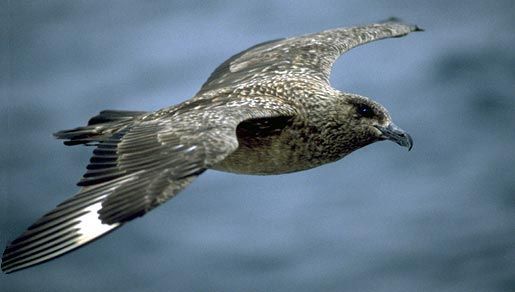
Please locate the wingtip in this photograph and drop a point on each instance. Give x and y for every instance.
(397, 20)
(392, 19)
(4, 268)
(418, 28)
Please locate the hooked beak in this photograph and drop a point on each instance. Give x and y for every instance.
(397, 135)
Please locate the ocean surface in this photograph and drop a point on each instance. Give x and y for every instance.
(438, 218)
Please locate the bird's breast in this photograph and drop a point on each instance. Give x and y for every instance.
(274, 146)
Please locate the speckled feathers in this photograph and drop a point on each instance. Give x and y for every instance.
(267, 110)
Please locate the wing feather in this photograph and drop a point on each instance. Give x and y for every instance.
(311, 55)
(133, 171)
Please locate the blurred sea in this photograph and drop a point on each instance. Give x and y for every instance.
(439, 218)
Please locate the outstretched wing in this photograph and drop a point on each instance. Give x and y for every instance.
(309, 55)
(137, 169)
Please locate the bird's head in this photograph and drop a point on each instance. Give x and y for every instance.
(370, 122)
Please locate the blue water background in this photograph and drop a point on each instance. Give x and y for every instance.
(439, 218)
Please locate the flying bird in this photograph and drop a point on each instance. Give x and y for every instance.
(267, 110)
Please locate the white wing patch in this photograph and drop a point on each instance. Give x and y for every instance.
(90, 226)
(72, 224)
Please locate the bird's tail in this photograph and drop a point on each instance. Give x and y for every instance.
(99, 128)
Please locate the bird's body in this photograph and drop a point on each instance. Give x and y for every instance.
(267, 110)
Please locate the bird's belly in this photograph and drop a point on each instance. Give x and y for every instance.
(263, 161)
(271, 151)
(274, 146)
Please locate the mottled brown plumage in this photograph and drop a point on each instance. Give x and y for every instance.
(267, 110)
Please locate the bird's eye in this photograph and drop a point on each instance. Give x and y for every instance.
(365, 111)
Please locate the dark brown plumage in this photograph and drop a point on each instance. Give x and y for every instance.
(267, 110)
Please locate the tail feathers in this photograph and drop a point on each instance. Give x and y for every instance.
(99, 128)
(109, 116)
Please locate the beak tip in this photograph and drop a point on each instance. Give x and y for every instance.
(410, 142)
(397, 135)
